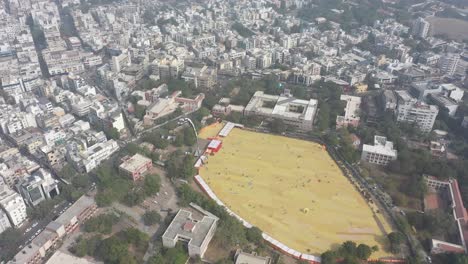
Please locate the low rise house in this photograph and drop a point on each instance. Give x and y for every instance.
(136, 166)
(197, 233)
(381, 153)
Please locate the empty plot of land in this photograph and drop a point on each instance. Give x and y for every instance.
(453, 28)
(292, 190)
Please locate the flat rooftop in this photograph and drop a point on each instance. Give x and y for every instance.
(381, 146)
(75, 210)
(247, 258)
(282, 105)
(134, 163)
(404, 95)
(186, 227)
(352, 105)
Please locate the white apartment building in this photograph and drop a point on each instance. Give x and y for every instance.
(410, 110)
(120, 61)
(381, 153)
(170, 68)
(13, 205)
(80, 106)
(421, 28)
(54, 137)
(294, 112)
(13, 120)
(86, 159)
(448, 63)
(351, 115)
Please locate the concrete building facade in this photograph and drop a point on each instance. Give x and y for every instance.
(294, 112)
(381, 153)
(197, 234)
(411, 110)
(136, 166)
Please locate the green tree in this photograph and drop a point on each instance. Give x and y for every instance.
(140, 111)
(112, 250)
(395, 239)
(81, 181)
(9, 237)
(323, 119)
(179, 140)
(348, 248)
(187, 169)
(80, 249)
(328, 257)
(157, 259)
(363, 251)
(151, 217)
(242, 30)
(152, 184)
(254, 235)
(67, 171)
(201, 113)
(42, 210)
(189, 137)
(112, 133)
(176, 255)
(101, 223)
(134, 197)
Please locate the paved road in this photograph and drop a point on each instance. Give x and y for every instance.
(30, 232)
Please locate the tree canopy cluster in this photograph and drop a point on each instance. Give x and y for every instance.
(342, 139)
(112, 187)
(151, 217)
(242, 30)
(114, 249)
(349, 252)
(80, 183)
(230, 231)
(330, 104)
(435, 223)
(9, 242)
(176, 255)
(101, 224)
(180, 165)
(132, 148)
(156, 138)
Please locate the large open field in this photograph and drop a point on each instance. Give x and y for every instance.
(293, 191)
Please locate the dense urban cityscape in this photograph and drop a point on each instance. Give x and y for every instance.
(233, 131)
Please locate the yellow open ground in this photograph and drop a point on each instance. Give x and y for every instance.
(211, 130)
(269, 181)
